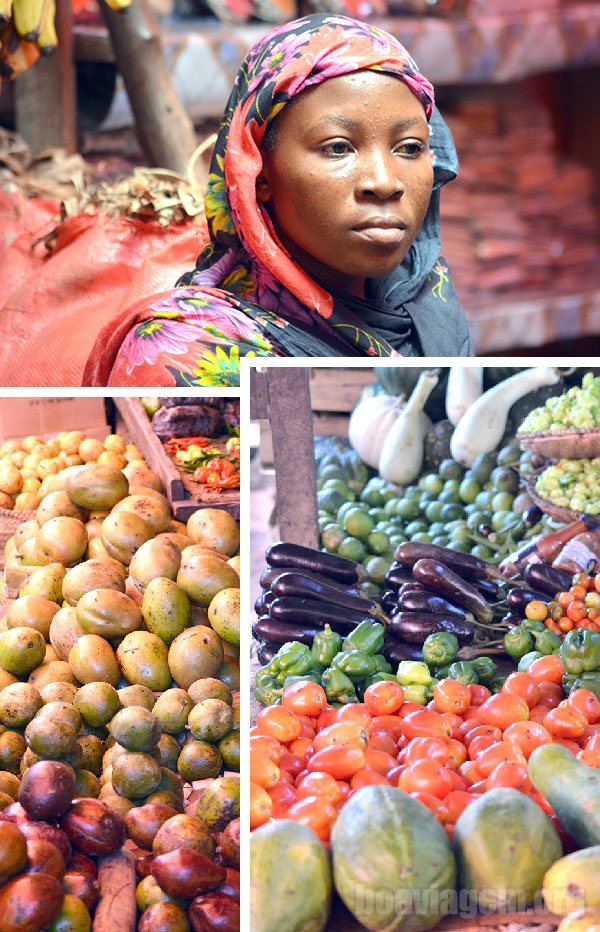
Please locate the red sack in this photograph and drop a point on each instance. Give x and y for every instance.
(57, 303)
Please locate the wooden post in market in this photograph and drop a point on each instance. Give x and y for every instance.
(165, 131)
(45, 96)
(283, 396)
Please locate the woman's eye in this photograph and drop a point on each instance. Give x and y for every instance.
(412, 149)
(338, 147)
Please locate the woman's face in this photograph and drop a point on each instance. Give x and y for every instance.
(349, 179)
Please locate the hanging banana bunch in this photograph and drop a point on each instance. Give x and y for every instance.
(118, 5)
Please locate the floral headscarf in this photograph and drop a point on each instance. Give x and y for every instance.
(245, 267)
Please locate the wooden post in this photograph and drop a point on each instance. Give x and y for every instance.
(283, 395)
(165, 131)
(45, 105)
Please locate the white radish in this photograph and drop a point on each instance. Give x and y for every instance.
(481, 428)
(402, 452)
(370, 423)
(465, 386)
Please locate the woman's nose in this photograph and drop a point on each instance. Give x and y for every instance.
(380, 175)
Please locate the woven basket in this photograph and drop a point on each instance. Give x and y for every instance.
(9, 522)
(560, 512)
(574, 443)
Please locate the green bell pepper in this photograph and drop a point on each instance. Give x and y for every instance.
(464, 672)
(383, 666)
(338, 687)
(533, 625)
(442, 672)
(355, 664)
(325, 646)
(295, 659)
(527, 659)
(548, 642)
(413, 673)
(265, 673)
(440, 649)
(268, 691)
(311, 677)
(486, 669)
(379, 678)
(580, 651)
(367, 637)
(518, 641)
(497, 683)
(415, 692)
(590, 680)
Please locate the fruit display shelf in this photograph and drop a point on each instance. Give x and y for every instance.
(185, 495)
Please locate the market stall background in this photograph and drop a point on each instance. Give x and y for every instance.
(517, 81)
(68, 714)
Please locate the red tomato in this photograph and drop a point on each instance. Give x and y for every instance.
(457, 752)
(304, 698)
(342, 761)
(478, 694)
(528, 736)
(266, 745)
(320, 784)
(292, 763)
(341, 733)
(427, 776)
(382, 743)
(512, 774)
(548, 669)
(279, 723)
(315, 812)
(456, 802)
(379, 761)
(565, 722)
(383, 698)
(263, 770)
(368, 778)
(355, 713)
(425, 724)
(489, 759)
(503, 709)
(585, 702)
(521, 684)
(420, 748)
(261, 805)
(439, 808)
(452, 696)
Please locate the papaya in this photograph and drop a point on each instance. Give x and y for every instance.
(571, 788)
(290, 879)
(572, 882)
(504, 844)
(392, 862)
(581, 920)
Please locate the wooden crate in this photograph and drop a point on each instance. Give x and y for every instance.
(185, 496)
(334, 392)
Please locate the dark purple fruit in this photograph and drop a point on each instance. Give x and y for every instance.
(214, 913)
(30, 902)
(93, 828)
(231, 887)
(48, 832)
(229, 844)
(45, 858)
(83, 886)
(187, 873)
(13, 851)
(81, 863)
(47, 789)
(143, 822)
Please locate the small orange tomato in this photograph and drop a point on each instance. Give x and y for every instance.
(379, 761)
(292, 763)
(521, 684)
(454, 722)
(261, 805)
(511, 774)
(528, 736)
(478, 745)
(564, 599)
(427, 776)
(479, 694)
(577, 610)
(457, 752)
(304, 698)
(456, 802)
(569, 744)
(565, 722)
(315, 812)
(263, 770)
(355, 713)
(420, 748)
(425, 724)
(341, 733)
(585, 702)
(267, 745)
(279, 723)
(434, 803)
(368, 778)
(565, 624)
(327, 717)
(489, 759)
(536, 610)
(340, 760)
(452, 696)
(469, 772)
(589, 757)
(489, 731)
(320, 784)
(548, 669)
(383, 698)
(382, 743)
(592, 742)
(301, 746)
(503, 709)
(282, 795)
(578, 591)
(407, 707)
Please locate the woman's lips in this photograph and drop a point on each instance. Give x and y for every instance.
(383, 235)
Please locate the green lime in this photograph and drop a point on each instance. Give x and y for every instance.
(397, 539)
(330, 500)
(433, 512)
(483, 465)
(378, 542)
(460, 533)
(372, 493)
(450, 496)
(484, 499)
(469, 489)
(358, 524)
(332, 537)
(352, 548)
(341, 487)
(438, 527)
(441, 540)
(450, 469)
(483, 552)
(324, 522)
(451, 512)
(370, 590)
(499, 519)
(422, 538)
(509, 454)
(377, 569)
(478, 517)
(415, 527)
(461, 545)
(431, 483)
(505, 479)
(343, 511)
(502, 501)
(378, 514)
(406, 508)
(331, 471)
(426, 499)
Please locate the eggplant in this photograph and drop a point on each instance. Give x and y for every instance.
(303, 586)
(411, 586)
(278, 632)
(267, 651)
(532, 515)
(420, 600)
(292, 611)
(294, 556)
(261, 606)
(490, 589)
(439, 578)
(463, 564)
(271, 573)
(519, 597)
(414, 627)
(267, 576)
(396, 650)
(398, 575)
(547, 579)
(389, 601)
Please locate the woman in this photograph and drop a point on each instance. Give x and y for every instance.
(323, 213)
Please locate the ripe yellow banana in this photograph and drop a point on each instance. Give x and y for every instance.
(47, 39)
(118, 4)
(5, 12)
(17, 54)
(26, 17)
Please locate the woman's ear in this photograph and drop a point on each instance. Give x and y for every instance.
(263, 188)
